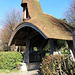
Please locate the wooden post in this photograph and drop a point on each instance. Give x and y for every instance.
(70, 44)
(26, 55)
(42, 46)
(31, 47)
(55, 45)
(74, 43)
(41, 51)
(51, 46)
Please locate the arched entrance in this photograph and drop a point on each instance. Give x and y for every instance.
(25, 25)
(28, 35)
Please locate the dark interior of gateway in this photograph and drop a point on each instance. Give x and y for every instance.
(37, 43)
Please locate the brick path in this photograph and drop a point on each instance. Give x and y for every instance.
(34, 72)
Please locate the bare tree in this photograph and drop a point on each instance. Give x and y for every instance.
(11, 19)
(70, 14)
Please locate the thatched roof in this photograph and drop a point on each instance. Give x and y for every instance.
(50, 26)
(47, 24)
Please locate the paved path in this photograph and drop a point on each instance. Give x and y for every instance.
(34, 72)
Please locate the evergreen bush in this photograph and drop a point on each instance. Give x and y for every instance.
(10, 60)
(57, 65)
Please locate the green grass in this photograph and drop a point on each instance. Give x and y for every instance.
(65, 53)
(47, 54)
(8, 71)
(2, 70)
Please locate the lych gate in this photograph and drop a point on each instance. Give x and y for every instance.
(36, 29)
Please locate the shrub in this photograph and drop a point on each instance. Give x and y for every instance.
(10, 60)
(65, 51)
(57, 65)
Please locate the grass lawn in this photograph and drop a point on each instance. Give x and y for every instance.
(8, 71)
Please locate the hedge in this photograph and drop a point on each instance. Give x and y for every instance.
(57, 65)
(10, 60)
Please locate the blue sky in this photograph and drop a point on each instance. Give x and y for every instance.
(55, 8)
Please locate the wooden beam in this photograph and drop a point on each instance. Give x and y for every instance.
(51, 45)
(31, 47)
(26, 55)
(55, 45)
(41, 48)
(20, 40)
(70, 44)
(32, 35)
(74, 43)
